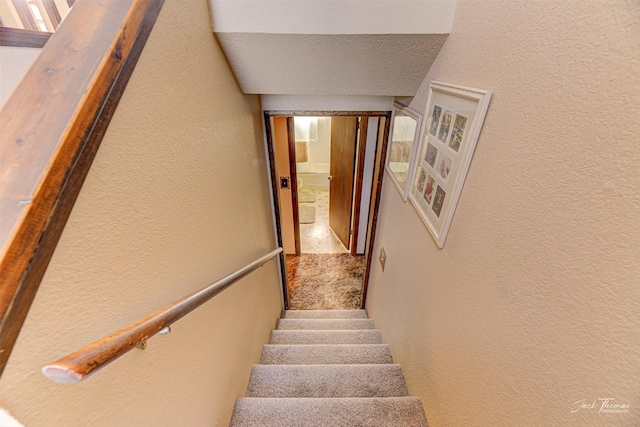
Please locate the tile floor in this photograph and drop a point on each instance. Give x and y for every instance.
(318, 238)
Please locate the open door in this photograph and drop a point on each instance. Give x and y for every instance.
(341, 175)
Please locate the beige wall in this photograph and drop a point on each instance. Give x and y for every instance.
(177, 197)
(534, 302)
(9, 14)
(14, 64)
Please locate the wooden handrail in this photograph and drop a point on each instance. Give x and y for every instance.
(52, 126)
(86, 361)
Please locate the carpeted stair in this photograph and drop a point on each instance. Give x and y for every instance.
(327, 368)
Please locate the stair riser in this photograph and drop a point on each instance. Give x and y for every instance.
(373, 412)
(327, 381)
(325, 314)
(325, 354)
(326, 337)
(324, 324)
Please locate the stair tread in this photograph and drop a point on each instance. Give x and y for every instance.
(325, 314)
(324, 324)
(370, 380)
(305, 354)
(321, 412)
(355, 336)
(325, 367)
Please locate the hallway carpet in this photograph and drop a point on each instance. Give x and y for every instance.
(325, 281)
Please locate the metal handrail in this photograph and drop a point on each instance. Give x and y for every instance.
(85, 362)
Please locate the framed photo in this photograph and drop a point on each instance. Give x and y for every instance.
(406, 126)
(454, 118)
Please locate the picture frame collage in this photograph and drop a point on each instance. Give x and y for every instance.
(454, 118)
(439, 165)
(448, 128)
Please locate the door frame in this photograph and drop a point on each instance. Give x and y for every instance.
(293, 177)
(381, 154)
(363, 129)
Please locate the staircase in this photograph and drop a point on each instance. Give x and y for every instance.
(327, 368)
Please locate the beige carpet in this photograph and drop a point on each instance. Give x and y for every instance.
(316, 378)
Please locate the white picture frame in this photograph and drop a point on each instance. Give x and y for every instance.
(404, 138)
(455, 115)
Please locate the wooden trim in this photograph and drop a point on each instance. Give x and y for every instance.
(23, 38)
(88, 360)
(376, 208)
(25, 15)
(62, 106)
(52, 12)
(293, 176)
(273, 169)
(362, 150)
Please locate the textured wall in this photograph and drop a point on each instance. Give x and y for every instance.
(330, 64)
(534, 302)
(9, 15)
(333, 16)
(331, 47)
(14, 64)
(326, 103)
(178, 197)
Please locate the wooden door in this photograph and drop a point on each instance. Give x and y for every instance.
(341, 171)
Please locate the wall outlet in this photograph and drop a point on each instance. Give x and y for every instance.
(382, 258)
(284, 182)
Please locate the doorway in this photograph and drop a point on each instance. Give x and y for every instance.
(323, 212)
(326, 172)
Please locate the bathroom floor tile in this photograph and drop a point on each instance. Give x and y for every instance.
(318, 236)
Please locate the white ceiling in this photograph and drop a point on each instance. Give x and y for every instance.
(327, 47)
